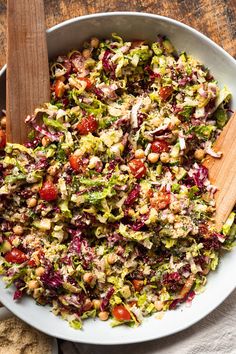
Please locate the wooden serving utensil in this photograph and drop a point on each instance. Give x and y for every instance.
(27, 65)
(222, 172)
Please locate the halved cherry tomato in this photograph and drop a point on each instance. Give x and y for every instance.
(137, 168)
(78, 164)
(88, 82)
(59, 88)
(2, 139)
(159, 146)
(121, 313)
(87, 125)
(138, 284)
(75, 162)
(165, 92)
(161, 201)
(48, 191)
(15, 256)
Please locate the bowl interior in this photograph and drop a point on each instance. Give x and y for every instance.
(72, 34)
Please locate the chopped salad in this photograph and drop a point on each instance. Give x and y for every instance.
(107, 210)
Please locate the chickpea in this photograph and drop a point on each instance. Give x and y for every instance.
(45, 141)
(3, 122)
(199, 154)
(158, 305)
(175, 207)
(131, 212)
(35, 188)
(94, 42)
(165, 157)
(125, 291)
(39, 271)
(36, 293)
(139, 154)
(112, 258)
(86, 53)
(33, 284)
(153, 157)
(52, 170)
(117, 149)
(89, 278)
(31, 202)
(18, 230)
(96, 303)
(103, 315)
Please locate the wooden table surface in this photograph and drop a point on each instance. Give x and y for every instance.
(215, 18)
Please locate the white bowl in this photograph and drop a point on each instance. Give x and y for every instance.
(130, 25)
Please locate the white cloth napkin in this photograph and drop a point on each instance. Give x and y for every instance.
(215, 334)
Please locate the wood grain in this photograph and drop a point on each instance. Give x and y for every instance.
(222, 172)
(215, 18)
(27, 63)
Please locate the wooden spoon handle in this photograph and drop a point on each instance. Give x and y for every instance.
(27, 65)
(222, 172)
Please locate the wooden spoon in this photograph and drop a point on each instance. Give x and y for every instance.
(222, 172)
(27, 65)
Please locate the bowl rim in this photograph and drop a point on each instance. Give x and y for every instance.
(233, 61)
(135, 14)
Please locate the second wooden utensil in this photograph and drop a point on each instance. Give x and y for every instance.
(27, 65)
(222, 172)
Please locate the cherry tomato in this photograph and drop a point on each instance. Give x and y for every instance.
(2, 139)
(87, 125)
(121, 313)
(159, 146)
(59, 88)
(138, 284)
(75, 162)
(162, 201)
(15, 256)
(165, 92)
(137, 168)
(48, 191)
(88, 82)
